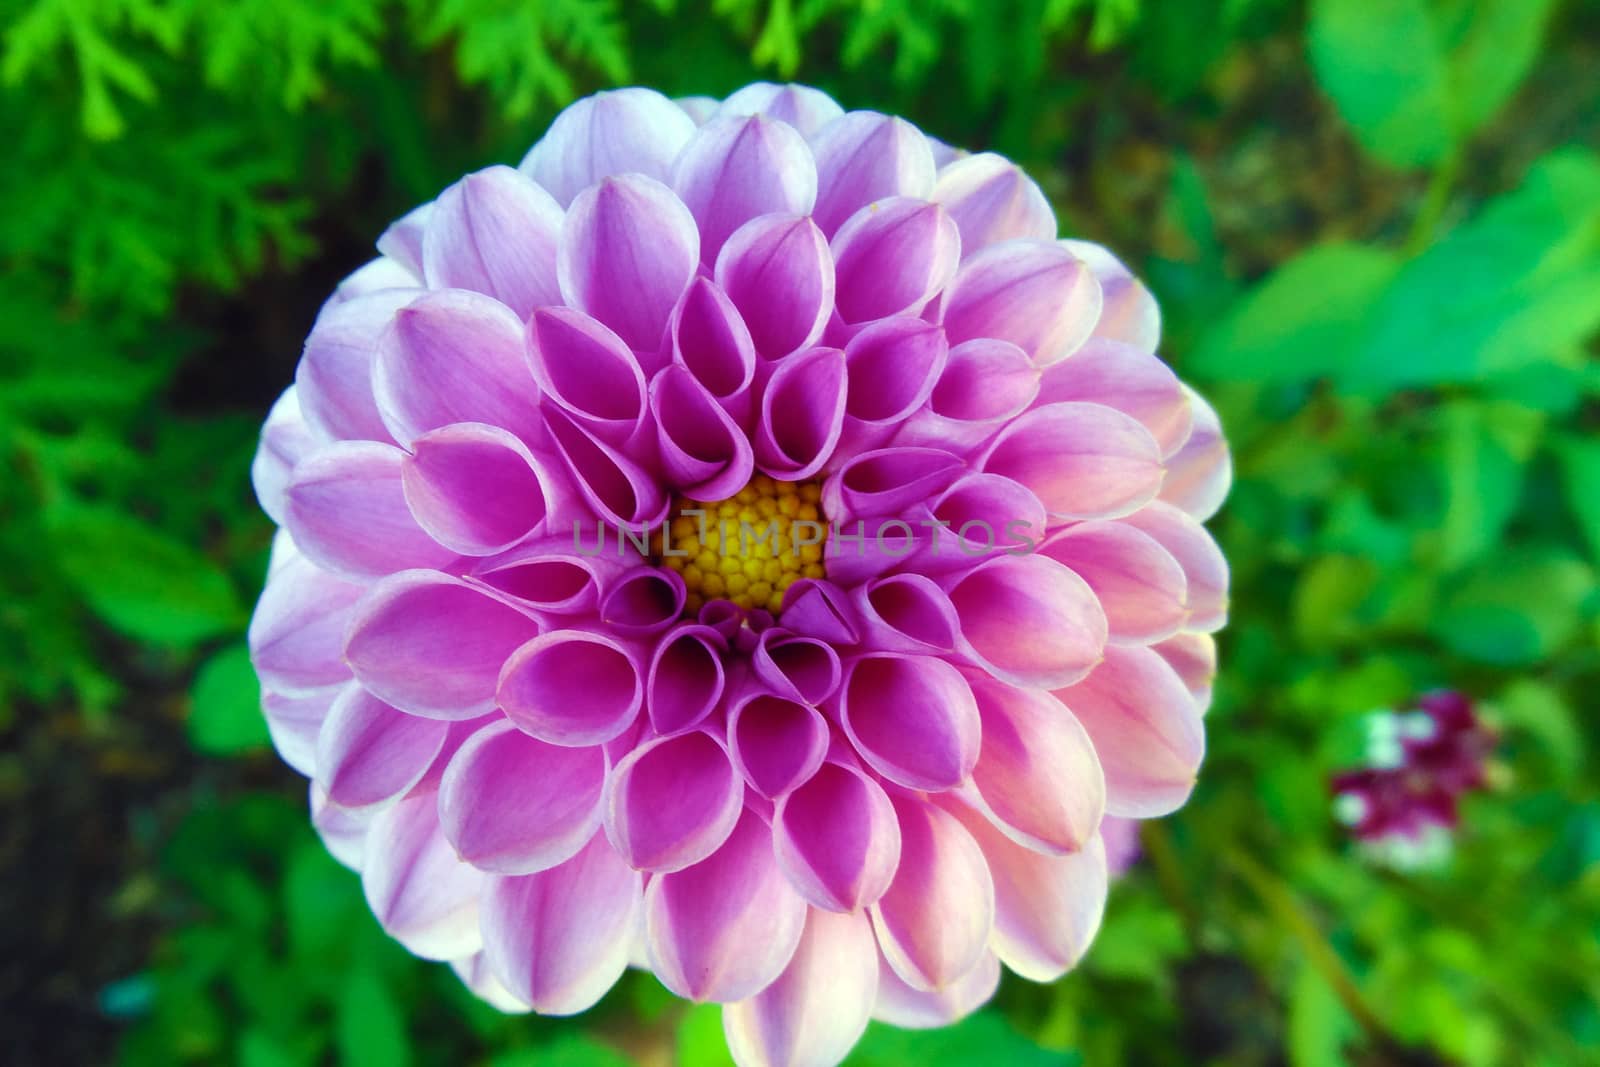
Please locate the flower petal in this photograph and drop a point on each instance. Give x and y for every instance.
(571, 687)
(892, 257)
(992, 200)
(778, 272)
(495, 231)
(1201, 472)
(837, 838)
(912, 718)
(907, 613)
(864, 156)
(1034, 294)
(737, 167)
(298, 627)
(1128, 313)
(775, 743)
(294, 722)
(686, 679)
(796, 667)
(1083, 461)
(587, 370)
(802, 414)
(368, 752)
(912, 1009)
(1028, 620)
(801, 106)
(620, 491)
(1139, 584)
(892, 366)
(475, 488)
(423, 895)
(888, 481)
(609, 133)
(672, 802)
(334, 375)
(1126, 378)
(1196, 551)
(704, 453)
(708, 337)
(285, 440)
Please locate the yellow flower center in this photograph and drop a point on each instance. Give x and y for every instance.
(749, 548)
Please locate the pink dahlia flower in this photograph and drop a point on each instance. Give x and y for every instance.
(741, 542)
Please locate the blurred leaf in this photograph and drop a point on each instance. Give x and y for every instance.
(1302, 322)
(1328, 599)
(371, 1029)
(568, 1050)
(1542, 712)
(980, 1040)
(257, 1048)
(225, 705)
(700, 1039)
(1516, 609)
(1493, 45)
(1485, 448)
(1580, 463)
(1384, 66)
(138, 580)
(1319, 1026)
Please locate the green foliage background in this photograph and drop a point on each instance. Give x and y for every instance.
(1375, 232)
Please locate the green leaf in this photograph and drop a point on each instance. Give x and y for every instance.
(1492, 46)
(1302, 322)
(700, 1038)
(1580, 467)
(225, 705)
(1516, 609)
(1384, 66)
(1485, 449)
(1319, 1026)
(980, 1040)
(572, 1050)
(1542, 712)
(371, 1028)
(140, 581)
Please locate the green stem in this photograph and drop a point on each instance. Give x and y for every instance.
(1156, 839)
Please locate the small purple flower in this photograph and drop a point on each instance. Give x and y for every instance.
(665, 523)
(1403, 807)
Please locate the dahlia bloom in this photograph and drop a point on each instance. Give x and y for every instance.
(550, 626)
(1403, 807)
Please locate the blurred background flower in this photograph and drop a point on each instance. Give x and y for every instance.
(1374, 235)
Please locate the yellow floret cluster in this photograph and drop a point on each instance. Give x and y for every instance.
(756, 567)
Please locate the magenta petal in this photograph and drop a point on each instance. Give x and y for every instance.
(980, 514)
(616, 132)
(985, 383)
(737, 167)
(643, 601)
(776, 743)
(588, 371)
(704, 453)
(801, 106)
(1126, 378)
(796, 667)
(1195, 550)
(1194, 657)
(820, 609)
(294, 722)
(1146, 730)
(347, 511)
(802, 412)
(1200, 473)
(454, 356)
(891, 366)
(913, 1009)
(933, 924)
(686, 679)
(672, 802)
(892, 257)
(343, 832)
(571, 687)
(402, 240)
(368, 752)
(1129, 313)
(1047, 908)
(710, 340)
(838, 838)
(621, 492)
(816, 1011)
(285, 440)
(400, 627)
(778, 272)
(888, 481)
(548, 576)
(495, 231)
(907, 613)
(725, 928)
(912, 718)
(1083, 461)
(992, 200)
(629, 247)
(512, 804)
(334, 377)
(1034, 294)
(1139, 584)
(1037, 774)
(559, 939)
(863, 156)
(476, 489)
(475, 974)
(1028, 620)
(423, 895)
(298, 627)
(371, 277)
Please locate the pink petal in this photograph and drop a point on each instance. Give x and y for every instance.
(402, 240)
(1083, 461)
(981, 514)
(559, 939)
(628, 250)
(912, 718)
(1028, 620)
(1037, 774)
(1129, 313)
(1201, 472)
(454, 356)
(892, 257)
(1139, 584)
(495, 231)
(476, 489)
(1126, 378)
(985, 384)
(686, 679)
(1146, 730)
(907, 613)
(1034, 294)
(776, 743)
(888, 481)
(820, 609)
(704, 453)
(863, 156)
(725, 928)
(804, 108)
(548, 577)
(816, 1011)
(298, 627)
(912, 1009)
(1195, 550)
(1047, 908)
(709, 339)
(778, 272)
(892, 366)
(1194, 657)
(334, 375)
(512, 804)
(294, 722)
(796, 667)
(609, 133)
(399, 629)
(285, 440)
(672, 802)
(621, 492)
(934, 922)
(343, 832)
(992, 200)
(475, 974)
(737, 167)
(802, 413)
(571, 687)
(346, 507)
(373, 276)
(643, 601)
(837, 838)
(368, 752)
(423, 895)
(587, 370)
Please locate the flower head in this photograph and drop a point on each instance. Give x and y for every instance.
(743, 542)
